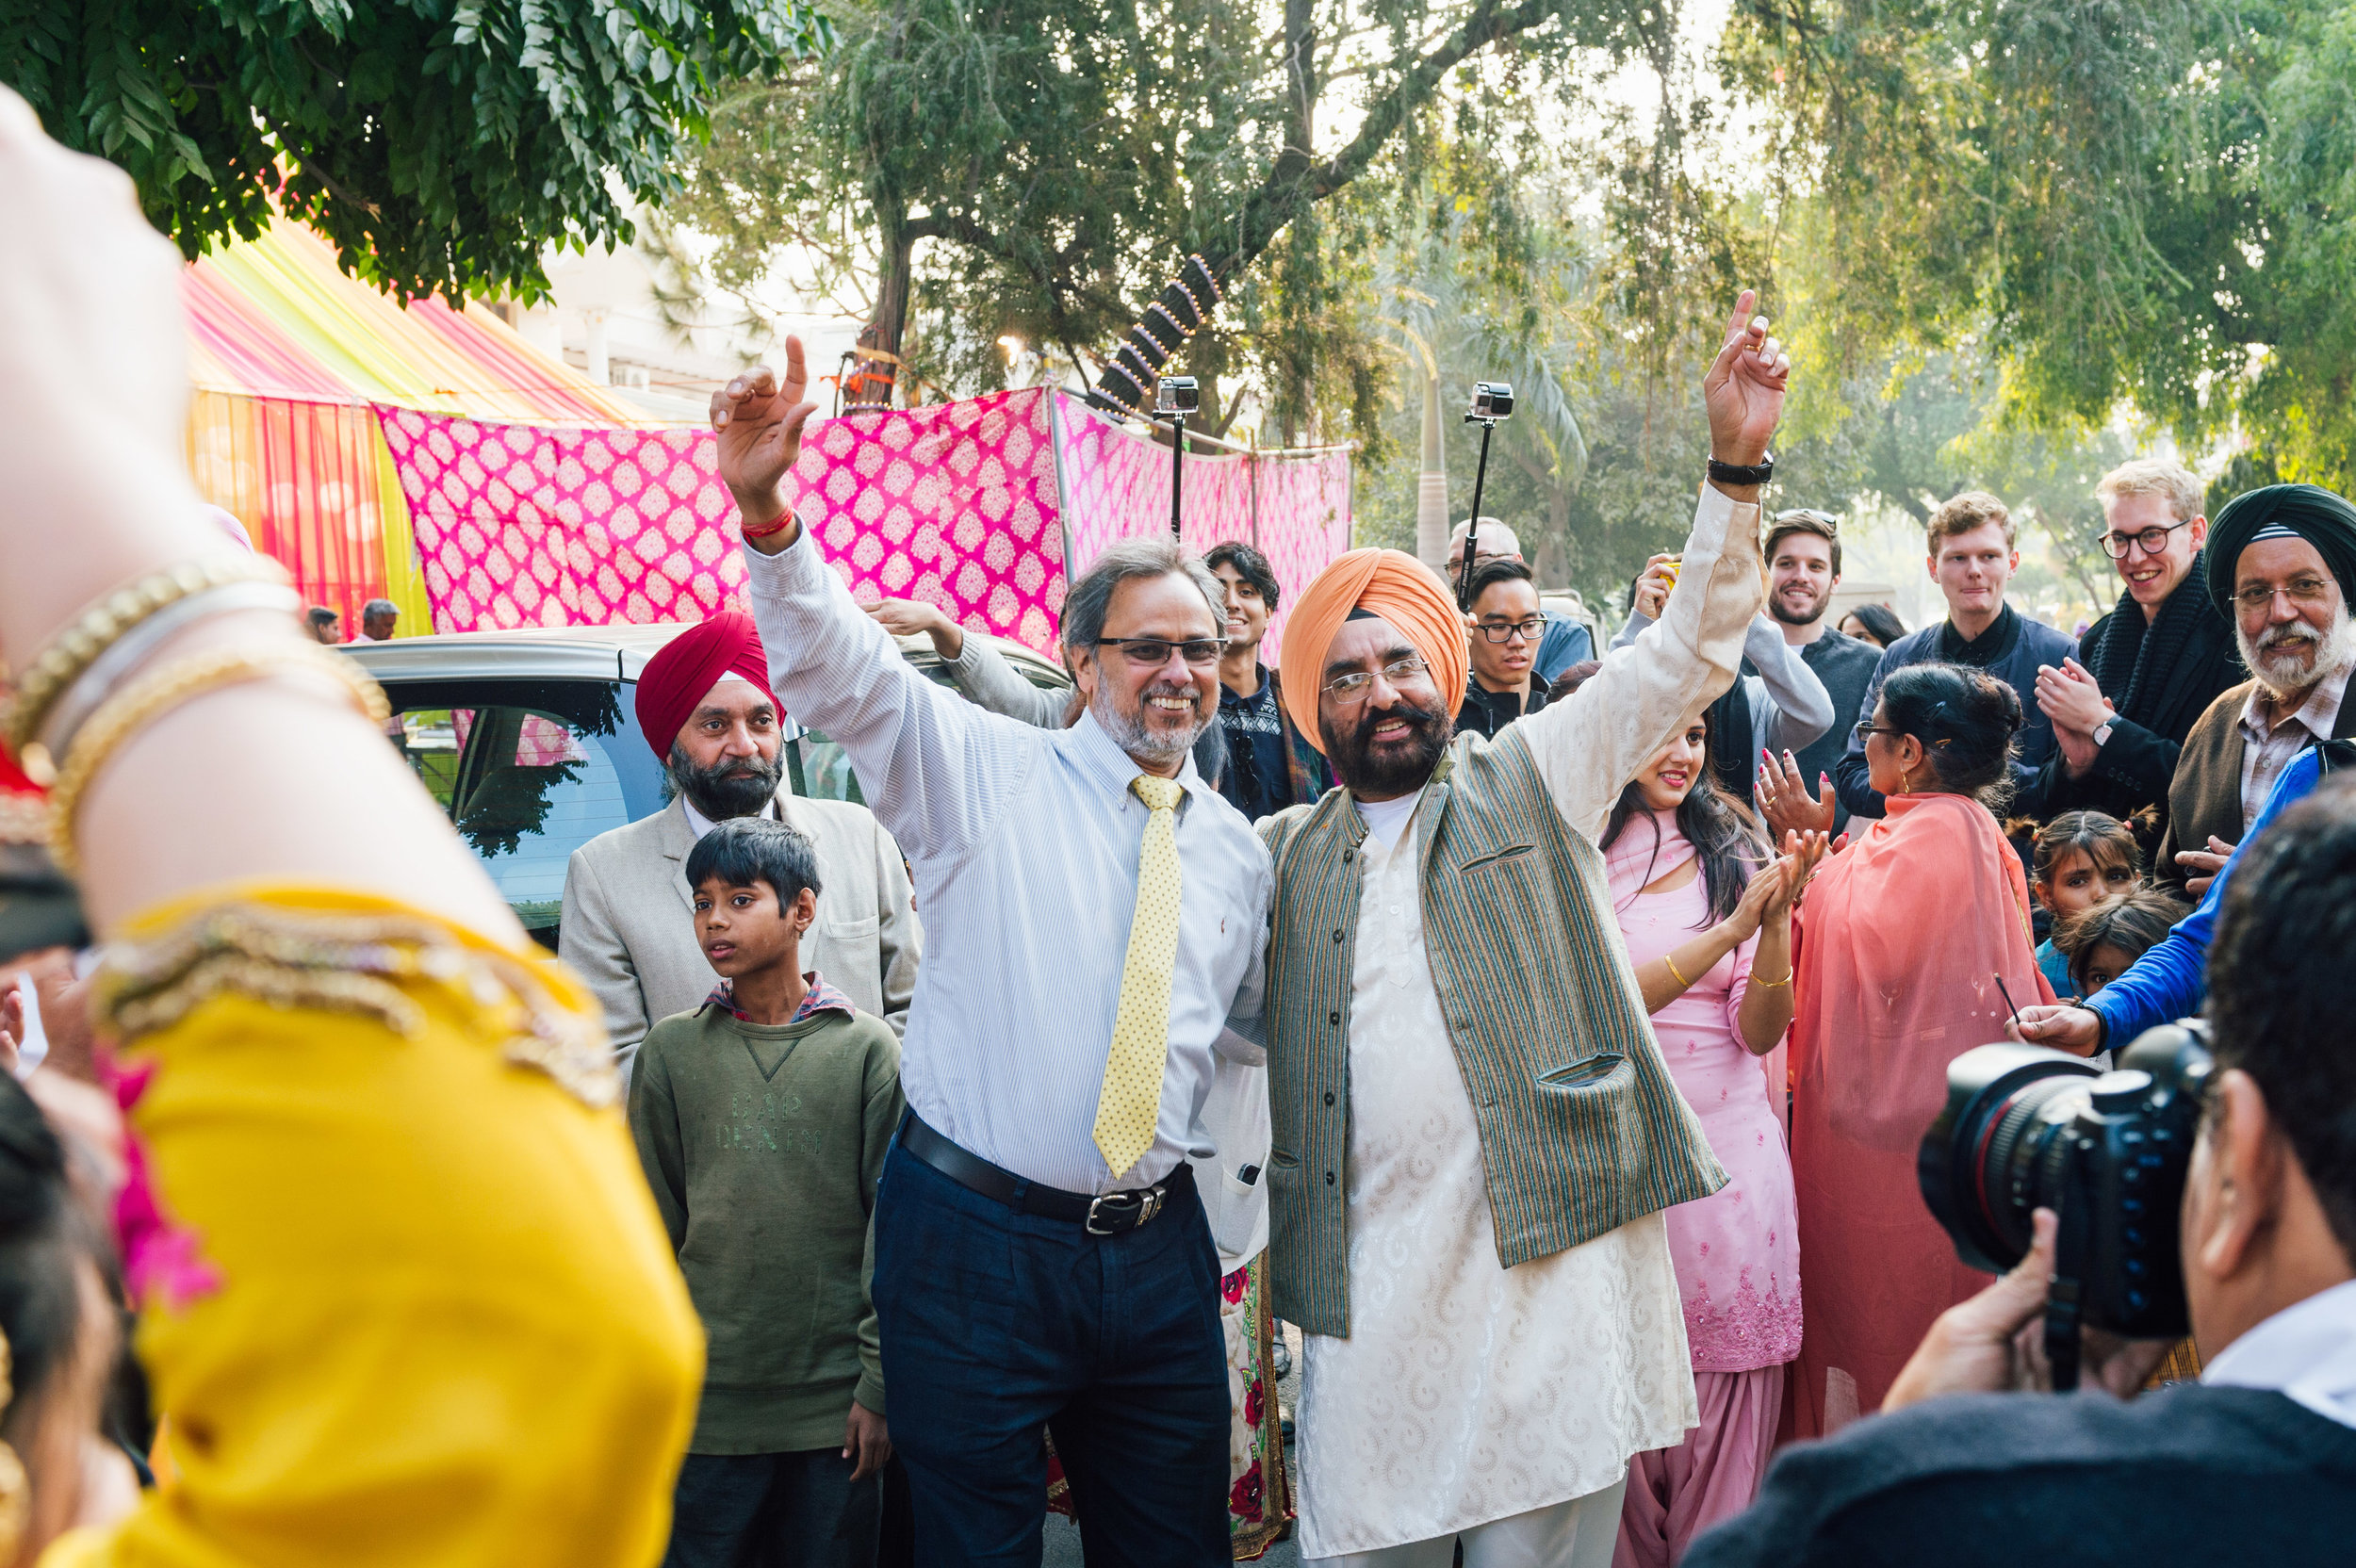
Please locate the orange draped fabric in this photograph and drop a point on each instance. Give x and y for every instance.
(1902, 935)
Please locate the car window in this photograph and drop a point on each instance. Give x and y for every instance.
(527, 781)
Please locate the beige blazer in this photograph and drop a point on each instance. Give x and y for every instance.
(629, 924)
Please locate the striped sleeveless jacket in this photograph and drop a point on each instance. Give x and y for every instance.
(1581, 1129)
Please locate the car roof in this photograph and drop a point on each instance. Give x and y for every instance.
(595, 653)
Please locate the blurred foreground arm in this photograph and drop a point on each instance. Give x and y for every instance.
(428, 1314)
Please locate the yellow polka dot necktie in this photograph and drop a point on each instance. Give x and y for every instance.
(1130, 1101)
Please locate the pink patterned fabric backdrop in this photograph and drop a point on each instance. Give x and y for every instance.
(953, 504)
(1296, 511)
(958, 504)
(530, 525)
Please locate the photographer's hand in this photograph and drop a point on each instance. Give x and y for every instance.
(2063, 1027)
(1974, 1347)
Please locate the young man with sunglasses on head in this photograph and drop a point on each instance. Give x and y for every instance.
(2146, 671)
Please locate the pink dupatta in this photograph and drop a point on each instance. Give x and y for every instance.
(1902, 935)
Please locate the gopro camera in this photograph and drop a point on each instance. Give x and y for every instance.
(1492, 400)
(1180, 395)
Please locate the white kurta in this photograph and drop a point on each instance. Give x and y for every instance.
(1468, 1392)
(1465, 1392)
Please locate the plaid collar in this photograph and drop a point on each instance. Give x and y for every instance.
(822, 998)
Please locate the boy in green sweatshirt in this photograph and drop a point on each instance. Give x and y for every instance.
(762, 1119)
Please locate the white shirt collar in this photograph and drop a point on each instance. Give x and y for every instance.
(1387, 818)
(2306, 1353)
(700, 825)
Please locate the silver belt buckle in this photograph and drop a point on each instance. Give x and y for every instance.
(1145, 1202)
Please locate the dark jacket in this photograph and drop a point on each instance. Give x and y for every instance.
(2192, 1475)
(1486, 712)
(2205, 797)
(1304, 775)
(2160, 677)
(2021, 645)
(1847, 667)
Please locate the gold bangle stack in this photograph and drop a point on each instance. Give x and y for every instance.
(132, 709)
(96, 628)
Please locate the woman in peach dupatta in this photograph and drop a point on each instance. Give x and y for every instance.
(1902, 935)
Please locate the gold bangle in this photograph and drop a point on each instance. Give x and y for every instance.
(1670, 959)
(1771, 985)
(173, 685)
(95, 629)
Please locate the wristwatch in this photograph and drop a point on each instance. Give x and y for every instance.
(2102, 734)
(1736, 473)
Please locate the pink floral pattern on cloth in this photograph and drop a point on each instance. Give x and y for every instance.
(1116, 485)
(978, 506)
(955, 505)
(534, 525)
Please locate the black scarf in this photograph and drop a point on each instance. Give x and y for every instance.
(2135, 659)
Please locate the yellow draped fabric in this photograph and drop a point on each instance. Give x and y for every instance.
(450, 1329)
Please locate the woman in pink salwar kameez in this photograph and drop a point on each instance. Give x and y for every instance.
(1706, 914)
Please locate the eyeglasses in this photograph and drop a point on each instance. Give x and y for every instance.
(2152, 540)
(1505, 631)
(2305, 590)
(1149, 653)
(1867, 726)
(1354, 686)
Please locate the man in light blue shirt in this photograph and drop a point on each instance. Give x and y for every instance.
(1022, 1283)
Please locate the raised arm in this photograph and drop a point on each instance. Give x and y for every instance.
(936, 770)
(1588, 747)
(987, 681)
(1797, 707)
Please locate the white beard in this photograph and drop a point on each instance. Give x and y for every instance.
(2280, 670)
(1129, 732)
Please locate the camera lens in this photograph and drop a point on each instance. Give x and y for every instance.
(1995, 1155)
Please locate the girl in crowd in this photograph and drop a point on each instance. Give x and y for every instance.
(424, 1313)
(1877, 624)
(2102, 940)
(1905, 940)
(1707, 912)
(2077, 860)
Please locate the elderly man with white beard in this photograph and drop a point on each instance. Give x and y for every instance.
(2279, 561)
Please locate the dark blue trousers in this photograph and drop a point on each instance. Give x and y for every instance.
(997, 1324)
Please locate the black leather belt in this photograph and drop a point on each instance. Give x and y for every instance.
(1107, 1214)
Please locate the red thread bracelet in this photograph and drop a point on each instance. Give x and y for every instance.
(778, 526)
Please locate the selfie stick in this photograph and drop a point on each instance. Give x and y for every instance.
(1492, 401)
(1472, 530)
(1177, 397)
(1177, 466)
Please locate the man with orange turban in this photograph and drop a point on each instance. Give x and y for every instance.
(705, 707)
(1473, 1131)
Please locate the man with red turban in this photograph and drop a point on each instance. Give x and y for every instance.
(1474, 1131)
(705, 707)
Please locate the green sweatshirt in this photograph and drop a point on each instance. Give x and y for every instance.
(763, 1144)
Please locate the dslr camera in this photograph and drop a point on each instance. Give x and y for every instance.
(1492, 400)
(1178, 395)
(2025, 1128)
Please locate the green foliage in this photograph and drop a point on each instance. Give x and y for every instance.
(2126, 203)
(438, 144)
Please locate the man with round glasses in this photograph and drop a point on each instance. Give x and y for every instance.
(2145, 672)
